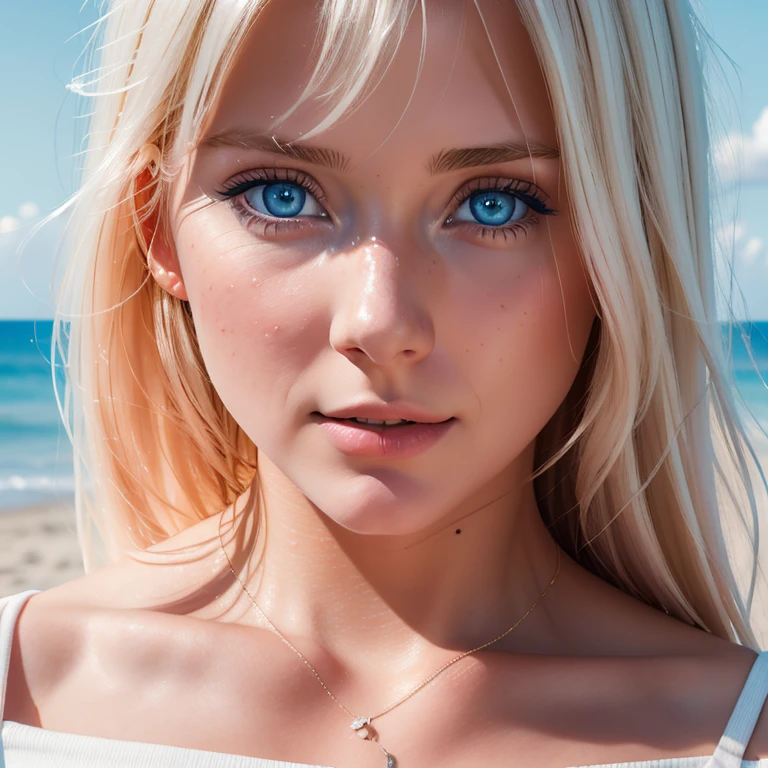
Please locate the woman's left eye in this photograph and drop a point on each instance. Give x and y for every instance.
(496, 207)
(282, 200)
(491, 208)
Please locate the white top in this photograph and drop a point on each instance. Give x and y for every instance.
(26, 746)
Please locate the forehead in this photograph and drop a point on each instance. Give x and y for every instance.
(478, 82)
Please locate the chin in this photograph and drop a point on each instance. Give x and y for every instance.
(381, 502)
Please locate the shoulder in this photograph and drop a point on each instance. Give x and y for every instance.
(119, 618)
(684, 681)
(614, 710)
(45, 643)
(705, 689)
(619, 681)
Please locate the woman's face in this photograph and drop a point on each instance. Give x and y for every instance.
(412, 261)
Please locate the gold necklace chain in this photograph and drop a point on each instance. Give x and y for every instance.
(362, 725)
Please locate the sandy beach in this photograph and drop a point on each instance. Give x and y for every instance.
(38, 547)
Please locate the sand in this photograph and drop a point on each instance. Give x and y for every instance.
(38, 547)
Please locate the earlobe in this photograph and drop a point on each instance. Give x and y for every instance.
(160, 252)
(167, 279)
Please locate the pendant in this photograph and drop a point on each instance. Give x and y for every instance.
(363, 728)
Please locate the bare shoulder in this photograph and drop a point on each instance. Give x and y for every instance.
(633, 685)
(681, 680)
(101, 614)
(45, 643)
(608, 710)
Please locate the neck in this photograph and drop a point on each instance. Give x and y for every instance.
(395, 599)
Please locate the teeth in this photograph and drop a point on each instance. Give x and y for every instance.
(388, 423)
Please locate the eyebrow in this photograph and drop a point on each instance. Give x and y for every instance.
(329, 158)
(472, 157)
(442, 162)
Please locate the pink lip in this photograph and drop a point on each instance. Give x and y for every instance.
(396, 442)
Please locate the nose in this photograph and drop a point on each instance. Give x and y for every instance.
(382, 314)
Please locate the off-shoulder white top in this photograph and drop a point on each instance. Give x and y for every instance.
(26, 746)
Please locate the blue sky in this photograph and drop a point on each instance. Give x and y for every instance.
(39, 45)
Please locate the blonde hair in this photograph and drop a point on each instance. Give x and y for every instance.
(636, 468)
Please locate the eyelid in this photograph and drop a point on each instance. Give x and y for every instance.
(251, 178)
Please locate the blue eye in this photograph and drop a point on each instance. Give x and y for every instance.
(491, 208)
(283, 200)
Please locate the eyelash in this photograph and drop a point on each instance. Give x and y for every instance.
(527, 192)
(236, 187)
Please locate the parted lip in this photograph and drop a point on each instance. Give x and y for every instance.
(385, 412)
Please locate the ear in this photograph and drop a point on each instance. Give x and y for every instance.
(162, 259)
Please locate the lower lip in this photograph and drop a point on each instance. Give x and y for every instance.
(397, 442)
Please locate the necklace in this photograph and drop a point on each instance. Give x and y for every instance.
(362, 725)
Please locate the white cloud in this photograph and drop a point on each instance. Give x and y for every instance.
(28, 210)
(8, 224)
(751, 250)
(741, 263)
(733, 246)
(744, 157)
(28, 271)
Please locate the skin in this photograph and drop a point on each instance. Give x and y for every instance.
(363, 568)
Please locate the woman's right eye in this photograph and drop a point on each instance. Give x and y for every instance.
(282, 200)
(276, 201)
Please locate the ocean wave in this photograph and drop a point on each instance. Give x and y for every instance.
(37, 483)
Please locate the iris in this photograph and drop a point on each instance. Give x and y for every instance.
(493, 208)
(282, 199)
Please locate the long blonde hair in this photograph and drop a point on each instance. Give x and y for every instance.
(636, 468)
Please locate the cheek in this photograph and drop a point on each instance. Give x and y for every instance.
(525, 340)
(259, 325)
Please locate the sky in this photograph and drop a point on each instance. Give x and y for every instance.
(40, 45)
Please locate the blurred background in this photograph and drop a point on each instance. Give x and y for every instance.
(41, 42)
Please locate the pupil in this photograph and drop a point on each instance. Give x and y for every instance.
(284, 200)
(492, 208)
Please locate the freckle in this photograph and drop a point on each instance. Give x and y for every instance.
(525, 313)
(481, 344)
(498, 329)
(466, 350)
(503, 306)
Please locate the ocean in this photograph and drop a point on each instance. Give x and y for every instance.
(35, 452)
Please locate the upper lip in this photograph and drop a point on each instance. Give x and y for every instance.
(386, 413)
